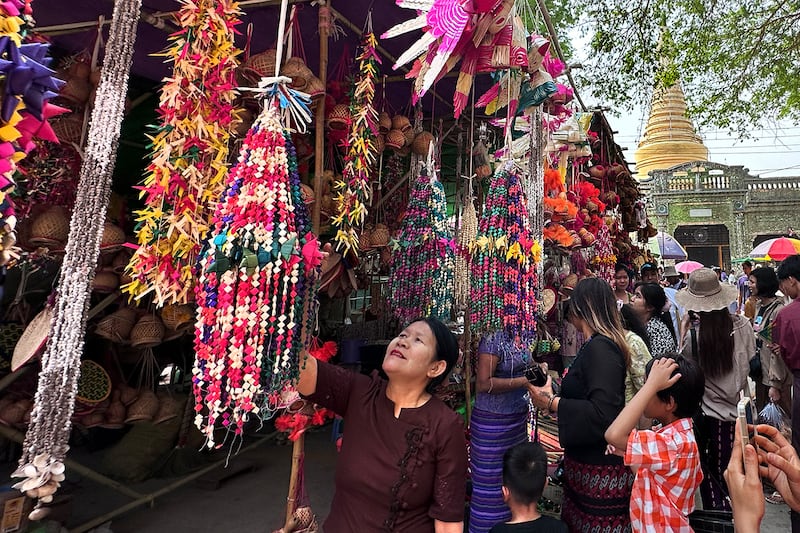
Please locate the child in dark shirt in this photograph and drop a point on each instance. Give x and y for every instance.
(524, 479)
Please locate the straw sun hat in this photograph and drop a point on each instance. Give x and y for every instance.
(705, 292)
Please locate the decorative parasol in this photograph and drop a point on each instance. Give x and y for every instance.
(665, 246)
(776, 249)
(687, 267)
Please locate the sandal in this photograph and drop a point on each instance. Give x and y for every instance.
(775, 498)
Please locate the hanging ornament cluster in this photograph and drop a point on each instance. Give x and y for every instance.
(504, 262)
(28, 85)
(604, 259)
(353, 191)
(256, 283)
(466, 235)
(190, 151)
(421, 278)
(482, 36)
(46, 443)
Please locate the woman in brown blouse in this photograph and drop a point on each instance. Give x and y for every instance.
(403, 462)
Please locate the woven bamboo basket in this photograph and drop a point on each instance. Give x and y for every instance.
(115, 415)
(113, 238)
(422, 142)
(365, 239)
(144, 408)
(50, 229)
(119, 262)
(94, 384)
(339, 117)
(176, 315)
(380, 143)
(400, 122)
(384, 122)
(262, 64)
(105, 282)
(409, 137)
(76, 90)
(127, 395)
(148, 332)
(68, 128)
(380, 235)
(118, 325)
(296, 69)
(395, 140)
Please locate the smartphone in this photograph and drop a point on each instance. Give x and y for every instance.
(747, 422)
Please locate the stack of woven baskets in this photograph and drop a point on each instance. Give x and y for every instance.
(49, 229)
(76, 95)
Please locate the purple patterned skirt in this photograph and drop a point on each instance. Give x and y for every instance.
(597, 498)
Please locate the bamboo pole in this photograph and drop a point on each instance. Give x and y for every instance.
(298, 448)
(319, 118)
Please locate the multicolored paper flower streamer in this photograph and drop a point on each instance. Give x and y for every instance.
(28, 85)
(421, 280)
(504, 258)
(604, 258)
(353, 191)
(190, 151)
(256, 284)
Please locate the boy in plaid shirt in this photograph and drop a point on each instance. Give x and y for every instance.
(666, 460)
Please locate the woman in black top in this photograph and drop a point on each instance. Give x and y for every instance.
(597, 487)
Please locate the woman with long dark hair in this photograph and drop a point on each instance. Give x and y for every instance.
(597, 487)
(722, 345)
(649, 301)
(776, 380)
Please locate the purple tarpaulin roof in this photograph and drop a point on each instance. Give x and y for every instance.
(151, 40)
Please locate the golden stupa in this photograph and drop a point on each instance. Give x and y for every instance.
(669, 138)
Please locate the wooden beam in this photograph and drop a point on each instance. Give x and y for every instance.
(319, 117)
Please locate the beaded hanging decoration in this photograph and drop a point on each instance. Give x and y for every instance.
(28, 85)
(46, 442)
(256, 291)
(504, 258)
(353, 190)
(604, 258)
(421, 279)
(190, 151)
(466, 235)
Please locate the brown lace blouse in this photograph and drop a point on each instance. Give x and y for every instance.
(393, 474)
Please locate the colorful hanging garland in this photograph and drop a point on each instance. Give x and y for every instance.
(190, 151)
(421, 280)
(47, 440)
(504, 262)
(256, 283)
(28, 85)
(604, 259)
(354, 194)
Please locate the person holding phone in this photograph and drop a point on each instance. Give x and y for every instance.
(499, 421)
(722, 345)
(597, 487)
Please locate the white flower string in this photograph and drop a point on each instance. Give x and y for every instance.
(256, 291)
(466, 235)
(46, 443)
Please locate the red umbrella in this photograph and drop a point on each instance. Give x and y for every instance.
(776, 249)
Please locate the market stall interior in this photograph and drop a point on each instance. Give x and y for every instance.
(250, 196)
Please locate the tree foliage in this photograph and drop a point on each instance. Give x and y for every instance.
(739, 61)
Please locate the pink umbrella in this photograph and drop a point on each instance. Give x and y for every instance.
(687, 267)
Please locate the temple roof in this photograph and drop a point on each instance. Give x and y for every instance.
(669, 138)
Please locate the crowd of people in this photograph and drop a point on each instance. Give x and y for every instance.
(646, 413)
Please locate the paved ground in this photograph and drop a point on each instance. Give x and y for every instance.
(253, 501)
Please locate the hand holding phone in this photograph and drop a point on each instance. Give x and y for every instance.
(747, 422)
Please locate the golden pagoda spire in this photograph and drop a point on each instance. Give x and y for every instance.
(669, 138)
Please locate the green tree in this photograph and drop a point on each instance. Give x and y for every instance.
(739, 61)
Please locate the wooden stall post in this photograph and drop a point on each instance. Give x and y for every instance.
(324, 22)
